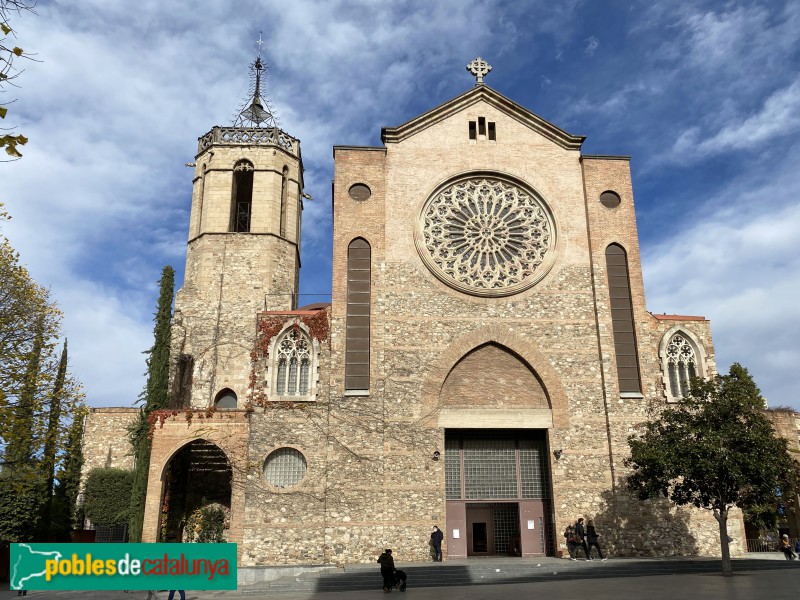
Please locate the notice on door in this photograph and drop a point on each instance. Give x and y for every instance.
(456, 534)
(531, 524)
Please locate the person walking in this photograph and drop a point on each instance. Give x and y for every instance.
(572, 543)
(580, 537)
(591, 536)
(386, 562)
(172, 594)
(436, 541)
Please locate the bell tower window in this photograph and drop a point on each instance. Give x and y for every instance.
(242, 196)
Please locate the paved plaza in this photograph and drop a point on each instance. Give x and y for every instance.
(772, 585)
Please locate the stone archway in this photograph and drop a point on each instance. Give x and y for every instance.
(196, 502)
(228, 432)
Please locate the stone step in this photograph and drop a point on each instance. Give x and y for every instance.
(366, 577)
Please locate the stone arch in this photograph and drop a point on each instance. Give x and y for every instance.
(492, 376)
(227, 430)
(197, 475)
(498, 335)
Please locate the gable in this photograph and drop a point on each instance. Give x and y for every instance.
(483, 93)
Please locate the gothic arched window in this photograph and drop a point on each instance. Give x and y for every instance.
(242, 196)
(681, 361)
(226, 399)
(293, 358)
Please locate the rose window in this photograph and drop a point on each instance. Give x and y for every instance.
(486, 236)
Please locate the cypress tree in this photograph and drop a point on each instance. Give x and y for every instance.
(51, 440)
(64, 512)
(154, 397)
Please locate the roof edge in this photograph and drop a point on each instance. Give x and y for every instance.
(494, 98)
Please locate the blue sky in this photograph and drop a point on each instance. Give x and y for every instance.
(705, 97)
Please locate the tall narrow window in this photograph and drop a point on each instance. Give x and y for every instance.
(622, 320)
(359, 257)
(294, 363)
(284, 199)
(482, 126)
(242, 196)
(492, 132)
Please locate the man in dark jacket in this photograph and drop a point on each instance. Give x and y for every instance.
(386, 562)
(436, 541)
(580, 534)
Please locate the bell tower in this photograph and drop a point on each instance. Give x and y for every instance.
(243, 254)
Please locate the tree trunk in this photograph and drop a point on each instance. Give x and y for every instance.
(722, 519)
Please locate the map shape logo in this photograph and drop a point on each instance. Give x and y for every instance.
(102, 566)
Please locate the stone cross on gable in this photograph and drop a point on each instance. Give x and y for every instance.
(479, 68)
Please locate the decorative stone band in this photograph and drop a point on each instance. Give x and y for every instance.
(249, 136)
(486, 234)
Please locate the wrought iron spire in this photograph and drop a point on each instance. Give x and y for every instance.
(255, 111)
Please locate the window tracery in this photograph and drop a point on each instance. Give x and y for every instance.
(681, 365)
(293, 364)
(486, 235)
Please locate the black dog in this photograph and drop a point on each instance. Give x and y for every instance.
(400, 580)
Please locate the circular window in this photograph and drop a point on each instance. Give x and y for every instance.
(486, 235)
(285, 467)
(359, 192)
(610, 199)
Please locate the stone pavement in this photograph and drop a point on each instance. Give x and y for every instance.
(772, 584)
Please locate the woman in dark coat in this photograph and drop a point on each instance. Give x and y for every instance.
(436, 541)
(591, 538)
(386, 562)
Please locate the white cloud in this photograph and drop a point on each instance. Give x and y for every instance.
(592, 43)
(779, 116)
(739, 265)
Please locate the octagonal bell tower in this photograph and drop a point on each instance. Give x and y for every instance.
(243, 255)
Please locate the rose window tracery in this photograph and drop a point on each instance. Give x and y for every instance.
(486, 236)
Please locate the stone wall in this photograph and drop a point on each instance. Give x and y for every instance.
(105, 439)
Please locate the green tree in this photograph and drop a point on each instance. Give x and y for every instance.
(65, 516)
(52, 437)
(154, 397)
(29, 324)
(38, 398)
(714, 450)
(107, 496)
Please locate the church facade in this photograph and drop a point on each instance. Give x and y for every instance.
(485, 356)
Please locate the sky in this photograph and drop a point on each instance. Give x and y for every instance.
(703, 95)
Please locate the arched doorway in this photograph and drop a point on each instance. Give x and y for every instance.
(196, 502)
(497, 468)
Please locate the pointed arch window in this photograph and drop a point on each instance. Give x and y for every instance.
(226, 399)
(294, 353)
(242, 196)
(682, 360)
(619, 289)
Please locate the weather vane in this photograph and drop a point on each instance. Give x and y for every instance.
(256, 112)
